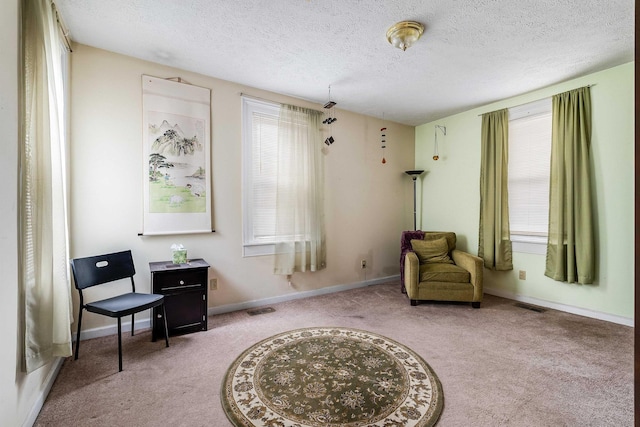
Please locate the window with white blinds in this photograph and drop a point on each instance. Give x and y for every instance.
(529, 163)
(260, 136)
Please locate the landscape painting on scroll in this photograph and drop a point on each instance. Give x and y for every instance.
(177, 173)
(176, 157)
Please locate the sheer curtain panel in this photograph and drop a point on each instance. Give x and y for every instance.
(299, 232)
(570, 249)
(44, 269)
(494, 242)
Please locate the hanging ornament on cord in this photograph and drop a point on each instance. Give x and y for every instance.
(383, 141)
(443, 129)
(329, 120)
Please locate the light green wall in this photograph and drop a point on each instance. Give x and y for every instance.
(450, 194)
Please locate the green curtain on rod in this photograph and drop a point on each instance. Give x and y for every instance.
(494, 243)
(570, 248)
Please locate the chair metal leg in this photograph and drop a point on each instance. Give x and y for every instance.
(166, 329)
(119, 344)
(133, 323)
(78, 334)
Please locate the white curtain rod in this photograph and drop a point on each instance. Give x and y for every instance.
(275, 102)
(525, 103)
(63, 28)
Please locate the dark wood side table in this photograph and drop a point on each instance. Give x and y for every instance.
(184, 287)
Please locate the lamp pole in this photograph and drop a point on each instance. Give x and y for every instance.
(414, 174)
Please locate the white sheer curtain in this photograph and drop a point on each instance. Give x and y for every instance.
(299, 234)
(43, 221)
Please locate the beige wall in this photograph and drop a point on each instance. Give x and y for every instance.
(368, 204)
(9, 390)
(452, 197)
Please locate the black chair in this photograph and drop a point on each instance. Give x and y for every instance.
(97, 270)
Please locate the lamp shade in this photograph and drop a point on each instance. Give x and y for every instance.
(414, 173)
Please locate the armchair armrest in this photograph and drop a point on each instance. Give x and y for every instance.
(474, 266)
(411, 273)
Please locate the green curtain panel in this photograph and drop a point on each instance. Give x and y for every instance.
(570, 248)
(494, 245)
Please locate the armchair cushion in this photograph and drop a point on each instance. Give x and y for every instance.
(440, 272)
(432, 251)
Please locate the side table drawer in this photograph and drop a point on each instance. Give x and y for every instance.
(176, 281)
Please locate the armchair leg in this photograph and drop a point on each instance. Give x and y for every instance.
(414, 302)
(475, 304)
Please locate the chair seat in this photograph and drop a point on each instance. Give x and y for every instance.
(442, 272)
(123, 305)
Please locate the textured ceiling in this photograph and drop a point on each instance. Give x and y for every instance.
(472, 52)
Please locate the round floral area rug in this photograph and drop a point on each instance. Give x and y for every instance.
(331, 377)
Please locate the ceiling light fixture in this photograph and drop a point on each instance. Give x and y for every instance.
(403, 34)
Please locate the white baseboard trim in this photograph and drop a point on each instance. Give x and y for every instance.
(144, 323)
(228, 308)
(48, 383)
(103, 331)
(562, 307)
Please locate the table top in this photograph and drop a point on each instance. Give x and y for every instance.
(169, 265)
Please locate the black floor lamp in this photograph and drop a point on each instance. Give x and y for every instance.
(414, 174)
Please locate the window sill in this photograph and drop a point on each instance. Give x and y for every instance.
(258, 250)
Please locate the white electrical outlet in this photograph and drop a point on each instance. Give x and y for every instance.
(363, 263)
(213, 284)
(522, 275)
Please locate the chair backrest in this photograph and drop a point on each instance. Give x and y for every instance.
(96, 270)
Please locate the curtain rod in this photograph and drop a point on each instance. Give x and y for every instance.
(535, 100)
(275, 102)
(63, 28)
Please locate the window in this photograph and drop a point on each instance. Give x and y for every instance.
(529, 162)
(283, 185)
(259, 148)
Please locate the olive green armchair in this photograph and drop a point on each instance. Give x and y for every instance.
(435, 270)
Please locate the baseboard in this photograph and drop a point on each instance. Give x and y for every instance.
(228, 308)
(103, 331)
(144, 323)
(48, 383)
(562, 307)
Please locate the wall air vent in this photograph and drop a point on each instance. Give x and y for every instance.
(262, 310)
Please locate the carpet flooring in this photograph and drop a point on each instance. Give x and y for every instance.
(501, 365)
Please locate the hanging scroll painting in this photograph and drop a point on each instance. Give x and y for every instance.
(176, 157)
